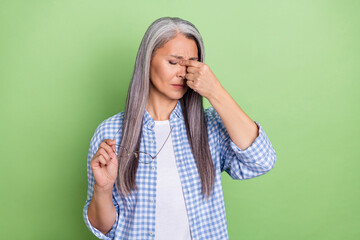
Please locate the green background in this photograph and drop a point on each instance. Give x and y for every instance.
(293, 66)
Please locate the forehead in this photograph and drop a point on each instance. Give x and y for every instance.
(181, 46)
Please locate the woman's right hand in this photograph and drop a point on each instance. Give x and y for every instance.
(104, 165)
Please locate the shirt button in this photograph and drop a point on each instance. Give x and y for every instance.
(153, 168)
(152, 201)
(151, 233)
(152, 141)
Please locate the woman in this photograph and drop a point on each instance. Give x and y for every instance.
(160, 177)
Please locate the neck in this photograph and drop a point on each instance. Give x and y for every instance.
(160, 109)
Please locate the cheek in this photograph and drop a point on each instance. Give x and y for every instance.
(162, 73)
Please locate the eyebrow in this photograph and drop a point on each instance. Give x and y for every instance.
(181, 57)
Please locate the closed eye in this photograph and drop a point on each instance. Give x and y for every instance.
(172, 63)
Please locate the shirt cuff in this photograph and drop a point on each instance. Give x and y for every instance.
(257, 150)
(110, 235)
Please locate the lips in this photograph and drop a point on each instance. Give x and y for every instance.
(178, 86)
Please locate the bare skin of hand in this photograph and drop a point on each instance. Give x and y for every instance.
(241, 128)
(200, 78)
(104, 165)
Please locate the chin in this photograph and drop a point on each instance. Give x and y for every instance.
(177, 94)
(180, 93)
(178, 97)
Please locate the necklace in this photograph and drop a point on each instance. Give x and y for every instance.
(140, 154)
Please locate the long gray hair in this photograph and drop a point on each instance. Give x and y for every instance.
(160, 32)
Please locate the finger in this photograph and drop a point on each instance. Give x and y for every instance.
(190, 76)
(102, 160)
(110, 141)
(190, 84)
(191, 63)
(192, 69)
(105, 146)
(104, 154)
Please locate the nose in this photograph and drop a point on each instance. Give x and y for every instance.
(181, 72)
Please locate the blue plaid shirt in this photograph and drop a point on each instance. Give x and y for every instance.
(135, 214)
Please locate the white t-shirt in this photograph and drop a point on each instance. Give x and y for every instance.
(171, 215)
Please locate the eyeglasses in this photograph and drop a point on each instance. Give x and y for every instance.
(144, 157)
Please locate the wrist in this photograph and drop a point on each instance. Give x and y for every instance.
(102, 190)
(217, 96)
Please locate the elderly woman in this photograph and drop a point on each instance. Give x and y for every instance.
(154, 170)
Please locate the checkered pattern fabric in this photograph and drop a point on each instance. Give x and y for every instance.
(135, 214)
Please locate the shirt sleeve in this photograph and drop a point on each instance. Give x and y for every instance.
(94, 144)
(258, 159)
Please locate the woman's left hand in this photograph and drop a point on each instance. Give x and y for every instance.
(200, 78)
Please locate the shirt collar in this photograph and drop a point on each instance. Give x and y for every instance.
(175, 114)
